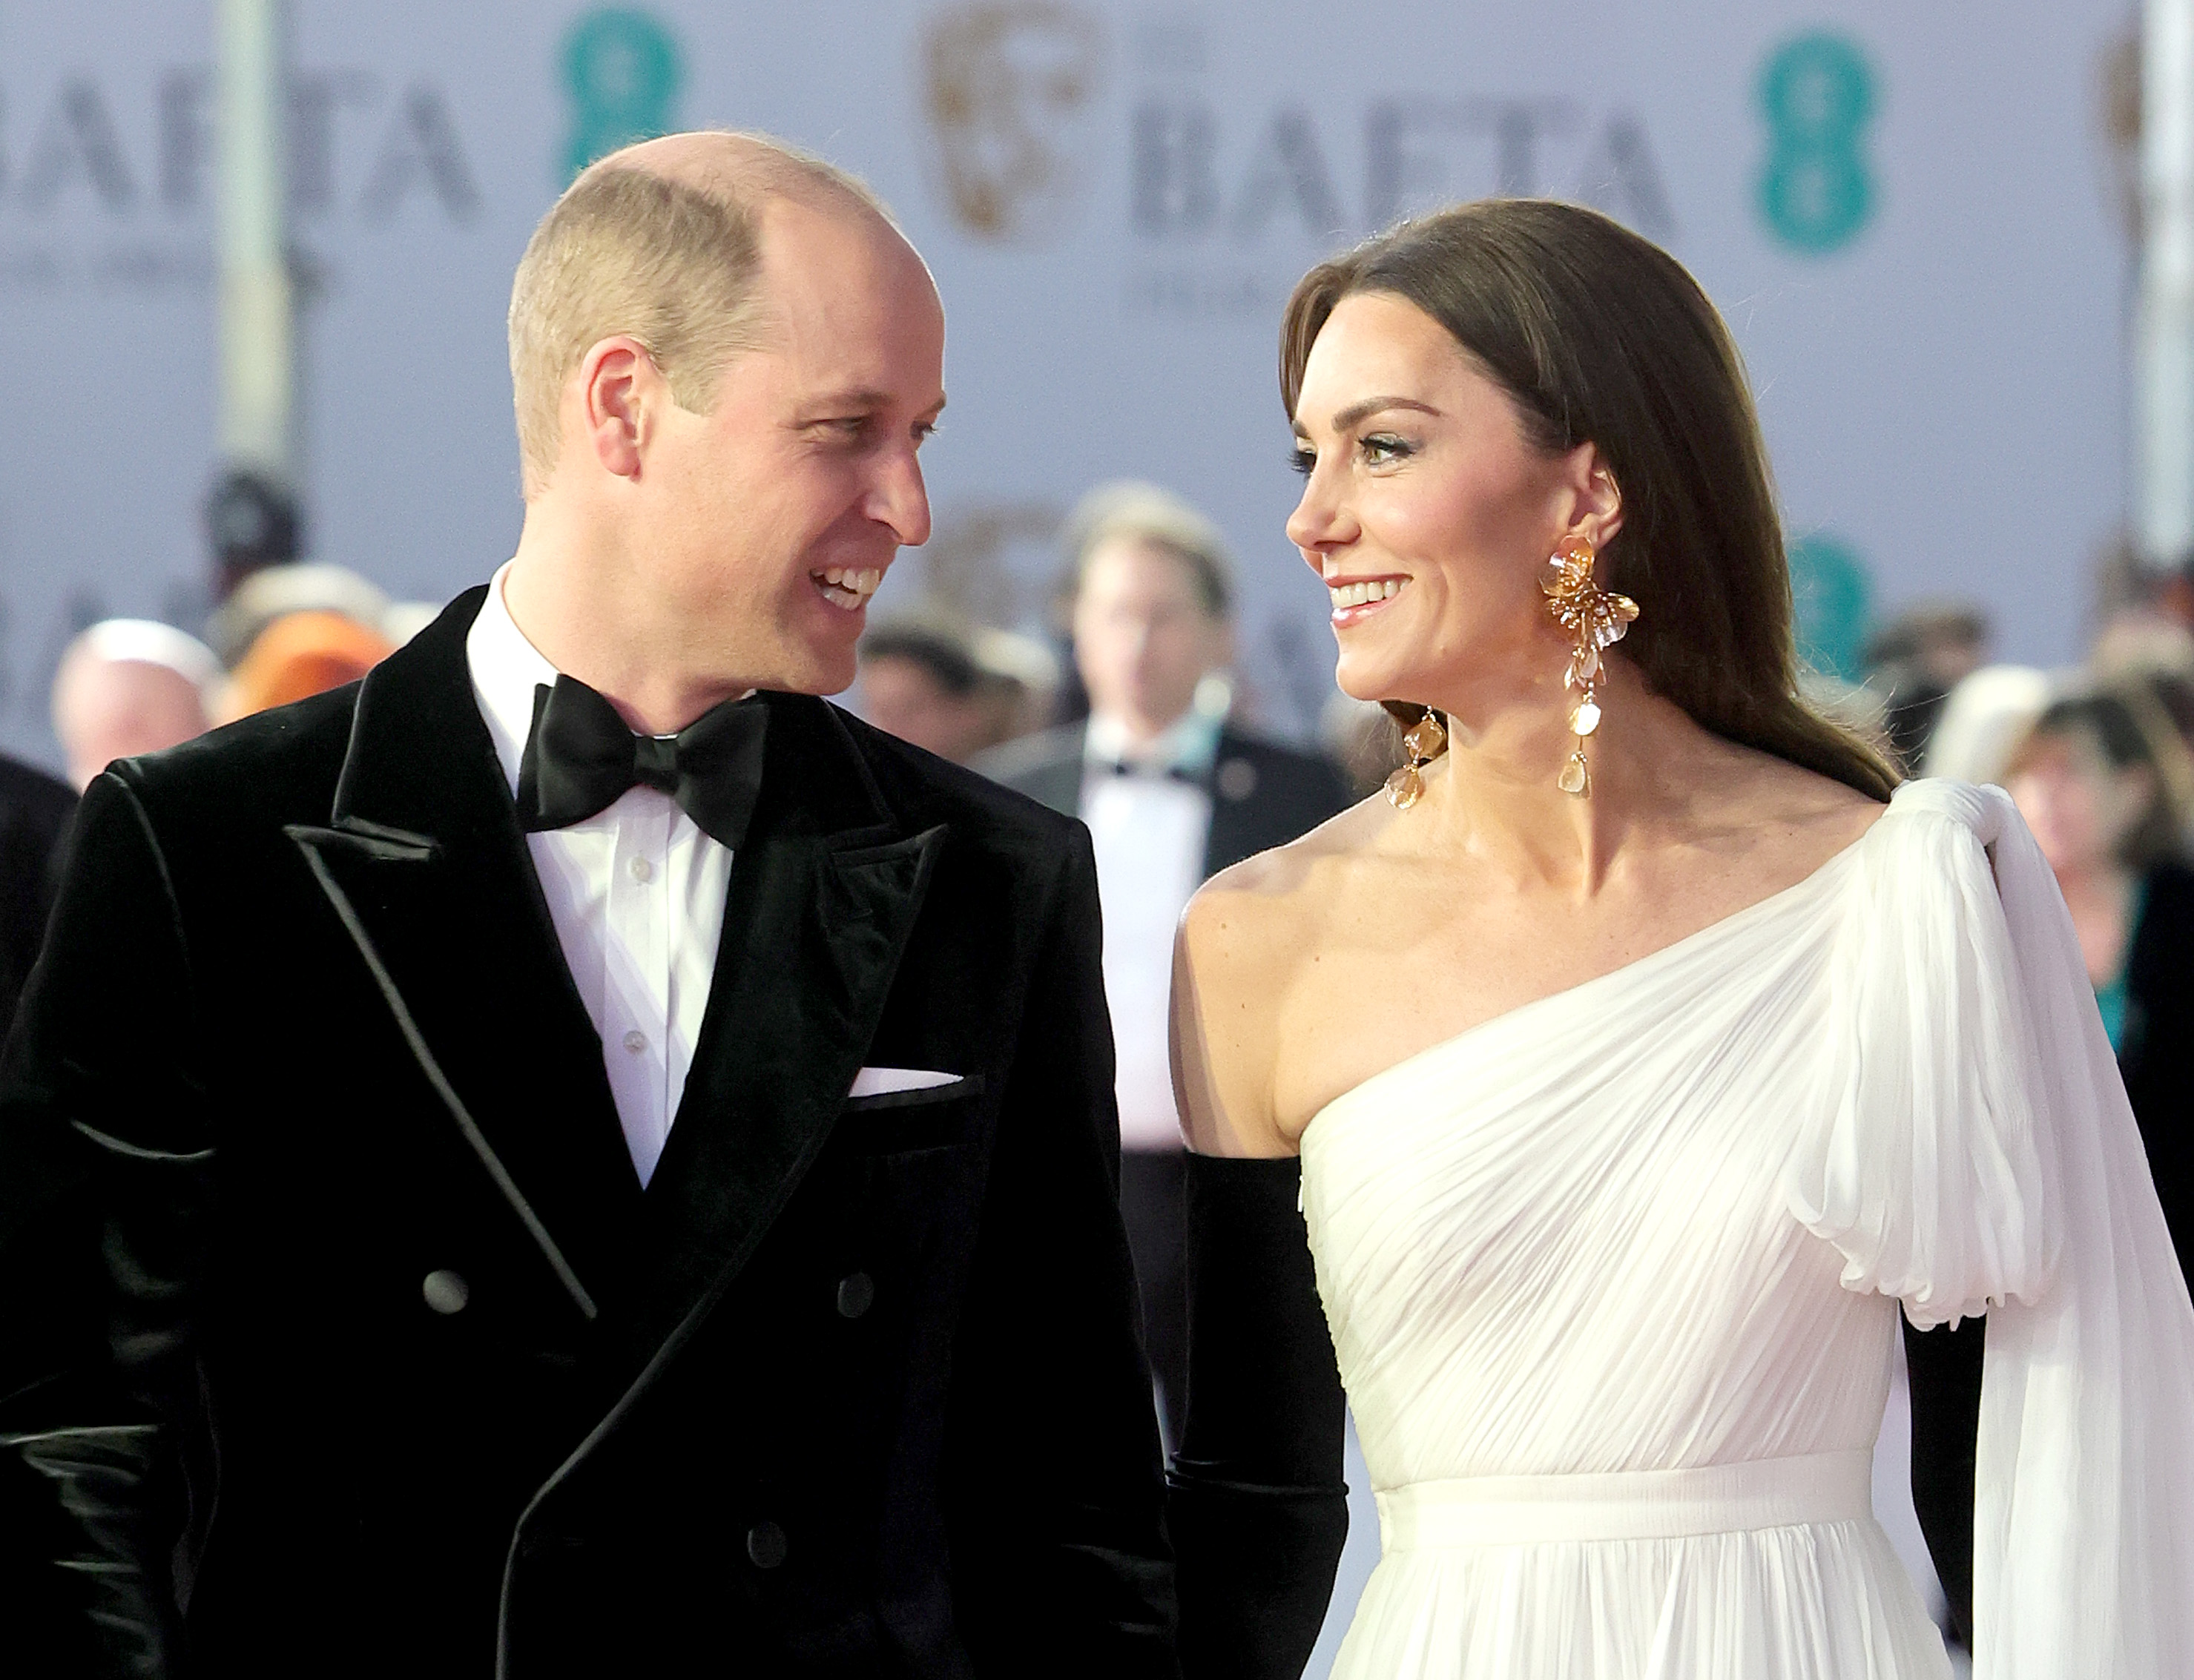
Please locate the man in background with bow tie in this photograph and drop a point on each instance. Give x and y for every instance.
(574, 1157)
(1173, 792)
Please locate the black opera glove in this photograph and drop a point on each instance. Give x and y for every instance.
(1255, 1502)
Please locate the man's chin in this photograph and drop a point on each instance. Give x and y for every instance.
(814, 671)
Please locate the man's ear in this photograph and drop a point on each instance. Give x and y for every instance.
(618, 387)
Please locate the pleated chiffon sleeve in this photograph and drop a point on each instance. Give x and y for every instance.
(1976, 1154)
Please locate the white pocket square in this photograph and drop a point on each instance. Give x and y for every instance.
(882, 1081)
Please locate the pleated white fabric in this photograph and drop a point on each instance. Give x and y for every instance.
(1613, 1282)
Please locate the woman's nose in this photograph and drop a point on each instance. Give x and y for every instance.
(1315, 526)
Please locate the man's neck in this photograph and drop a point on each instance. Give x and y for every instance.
(575, 607)
(1141, 739)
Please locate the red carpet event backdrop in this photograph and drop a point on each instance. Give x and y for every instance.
(1913, 217)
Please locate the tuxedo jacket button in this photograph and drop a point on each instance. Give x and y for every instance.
(445, 1292)
(766, 1545)
(1237, 779)
(856, 1295)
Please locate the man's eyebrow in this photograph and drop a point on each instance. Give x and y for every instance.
(856, 400)
(1359, 412)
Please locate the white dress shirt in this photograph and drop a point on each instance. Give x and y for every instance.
(637, 895)
(1149, 829)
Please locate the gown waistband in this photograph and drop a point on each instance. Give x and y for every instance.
(1629, 1505)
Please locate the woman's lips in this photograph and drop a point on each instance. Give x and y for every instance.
(1356, 598)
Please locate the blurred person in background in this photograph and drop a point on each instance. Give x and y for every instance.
(1172, 793)
(2105, 782)
(300, 586)
(942, 689)
(131, 686)
(1913, 663)
(301, 655)
(1983, 719)
(34, 820)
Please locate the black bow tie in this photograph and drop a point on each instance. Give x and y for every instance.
(1128, 766)
(581, 758)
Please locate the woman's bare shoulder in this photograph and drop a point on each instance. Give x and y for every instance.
(1768, 814)
(1244, 939)
(1271, 895)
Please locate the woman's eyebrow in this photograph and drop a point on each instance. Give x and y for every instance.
(1356, 411)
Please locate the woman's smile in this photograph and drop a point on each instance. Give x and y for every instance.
(1356, 598)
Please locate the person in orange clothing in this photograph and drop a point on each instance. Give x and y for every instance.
(301, 654)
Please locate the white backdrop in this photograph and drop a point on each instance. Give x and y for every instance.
(1907, 213)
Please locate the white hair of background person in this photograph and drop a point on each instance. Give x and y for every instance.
(150, 643)
(1984, 721)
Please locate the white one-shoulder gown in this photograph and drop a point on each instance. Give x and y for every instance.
(1613, 1281)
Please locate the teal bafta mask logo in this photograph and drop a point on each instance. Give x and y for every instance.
(622, 72)
(1817, 94)
(1007, 87)
(1832, 599)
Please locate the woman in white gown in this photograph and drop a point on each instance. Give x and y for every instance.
(1644, 1055)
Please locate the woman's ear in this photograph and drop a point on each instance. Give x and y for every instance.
(1601, 502)
(1594, 498)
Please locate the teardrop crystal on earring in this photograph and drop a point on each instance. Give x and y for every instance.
(1576, 776)
(1405, 787)
(1586, 718)
(1424, 739)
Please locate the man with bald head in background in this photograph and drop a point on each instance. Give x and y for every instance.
(574, 1156)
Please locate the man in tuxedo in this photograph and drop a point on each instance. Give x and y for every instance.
(573, 1156)
(34, 820)
(1173, 792)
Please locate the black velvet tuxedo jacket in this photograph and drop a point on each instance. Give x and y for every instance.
(852, 1387)
(34, 817)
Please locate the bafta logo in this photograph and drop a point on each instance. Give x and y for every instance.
(1006, 84)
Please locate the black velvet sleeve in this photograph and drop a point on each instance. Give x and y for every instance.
(1059, 1553)
(1256, 1503)
(105, 1175)
(1943, 1367)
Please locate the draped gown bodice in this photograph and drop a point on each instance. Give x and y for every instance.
(1613, 1281)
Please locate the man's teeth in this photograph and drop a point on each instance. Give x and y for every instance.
(1360, 594)
(857, 583)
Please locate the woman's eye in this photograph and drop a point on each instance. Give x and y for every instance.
(1303, 459)
(1383, 449)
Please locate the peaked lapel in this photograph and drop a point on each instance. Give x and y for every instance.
(825, 892)
(423, 861)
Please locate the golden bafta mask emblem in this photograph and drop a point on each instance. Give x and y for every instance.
(1006, 89)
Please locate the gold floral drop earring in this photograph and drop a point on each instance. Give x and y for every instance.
(1598, 618)
(1423, 740)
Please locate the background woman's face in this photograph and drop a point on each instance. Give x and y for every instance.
(1426, 510)
(2080, 809)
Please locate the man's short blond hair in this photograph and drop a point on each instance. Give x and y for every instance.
(674, 263)
(1149, 514)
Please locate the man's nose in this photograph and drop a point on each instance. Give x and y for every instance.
(899, 499)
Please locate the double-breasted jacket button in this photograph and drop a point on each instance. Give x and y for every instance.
(766, 1545)
(445, 1290)
(856, 1295)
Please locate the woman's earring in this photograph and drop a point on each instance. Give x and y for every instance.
(1423, 740)
(1598, 618)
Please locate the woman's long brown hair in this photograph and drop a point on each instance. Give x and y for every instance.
(1599, 335)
